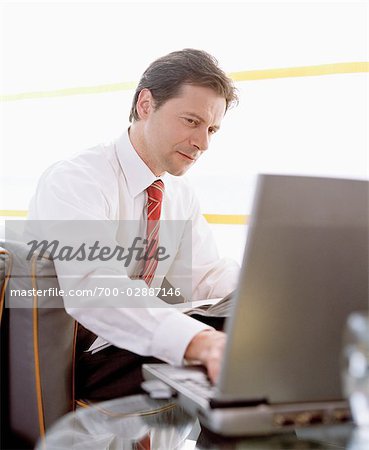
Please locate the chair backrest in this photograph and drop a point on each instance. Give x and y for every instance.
(5, 266)
(38, 339)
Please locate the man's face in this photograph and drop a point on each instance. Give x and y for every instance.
(179, 131)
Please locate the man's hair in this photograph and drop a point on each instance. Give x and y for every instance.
(166, 75)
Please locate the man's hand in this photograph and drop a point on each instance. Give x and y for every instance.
(208, 348)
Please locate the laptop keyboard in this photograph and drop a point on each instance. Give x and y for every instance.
(202, 388)
(191, 378)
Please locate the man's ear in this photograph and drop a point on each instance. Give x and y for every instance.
(145, 103)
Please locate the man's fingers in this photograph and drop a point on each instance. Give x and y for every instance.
(208, 348)
(214, 358)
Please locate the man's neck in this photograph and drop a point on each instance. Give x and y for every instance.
(138, 143)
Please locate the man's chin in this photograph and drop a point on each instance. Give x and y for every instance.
(178, 171)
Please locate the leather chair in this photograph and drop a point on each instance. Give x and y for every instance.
(37, 347)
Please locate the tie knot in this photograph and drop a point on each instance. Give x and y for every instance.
(155, 191)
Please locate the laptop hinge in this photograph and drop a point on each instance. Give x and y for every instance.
(221, 403)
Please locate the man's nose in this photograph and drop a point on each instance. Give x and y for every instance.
(200, 139)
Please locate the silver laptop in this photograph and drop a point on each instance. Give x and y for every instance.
(305, 269)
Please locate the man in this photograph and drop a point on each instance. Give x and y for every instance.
(178, 105)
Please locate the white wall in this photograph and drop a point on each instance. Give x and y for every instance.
(304, 125)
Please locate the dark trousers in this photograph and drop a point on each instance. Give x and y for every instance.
(109, 373)
(113, 372)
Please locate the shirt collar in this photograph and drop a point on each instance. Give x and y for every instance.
(138, 175)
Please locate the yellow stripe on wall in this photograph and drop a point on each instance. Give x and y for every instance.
(223, 219)
(102, 89)
(248, 75)
(13, 213)
(227, 219)
(305, 71)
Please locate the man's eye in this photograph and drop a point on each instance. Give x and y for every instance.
(212, 130)
(191, 121)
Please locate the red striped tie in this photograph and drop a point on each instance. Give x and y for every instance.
(154, 199)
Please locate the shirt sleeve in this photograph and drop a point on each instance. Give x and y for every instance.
(147, 326)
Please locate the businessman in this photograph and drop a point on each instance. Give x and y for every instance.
(177, 107)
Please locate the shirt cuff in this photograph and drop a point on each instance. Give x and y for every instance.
(172, 337)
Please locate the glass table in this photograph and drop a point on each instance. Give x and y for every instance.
(141, 423)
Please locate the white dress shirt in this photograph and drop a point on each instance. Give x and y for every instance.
(108, 183)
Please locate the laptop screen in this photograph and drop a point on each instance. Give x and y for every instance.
(305, 269)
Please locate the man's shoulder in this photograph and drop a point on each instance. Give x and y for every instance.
(98, 163)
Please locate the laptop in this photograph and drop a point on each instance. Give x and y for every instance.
(305, 269)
